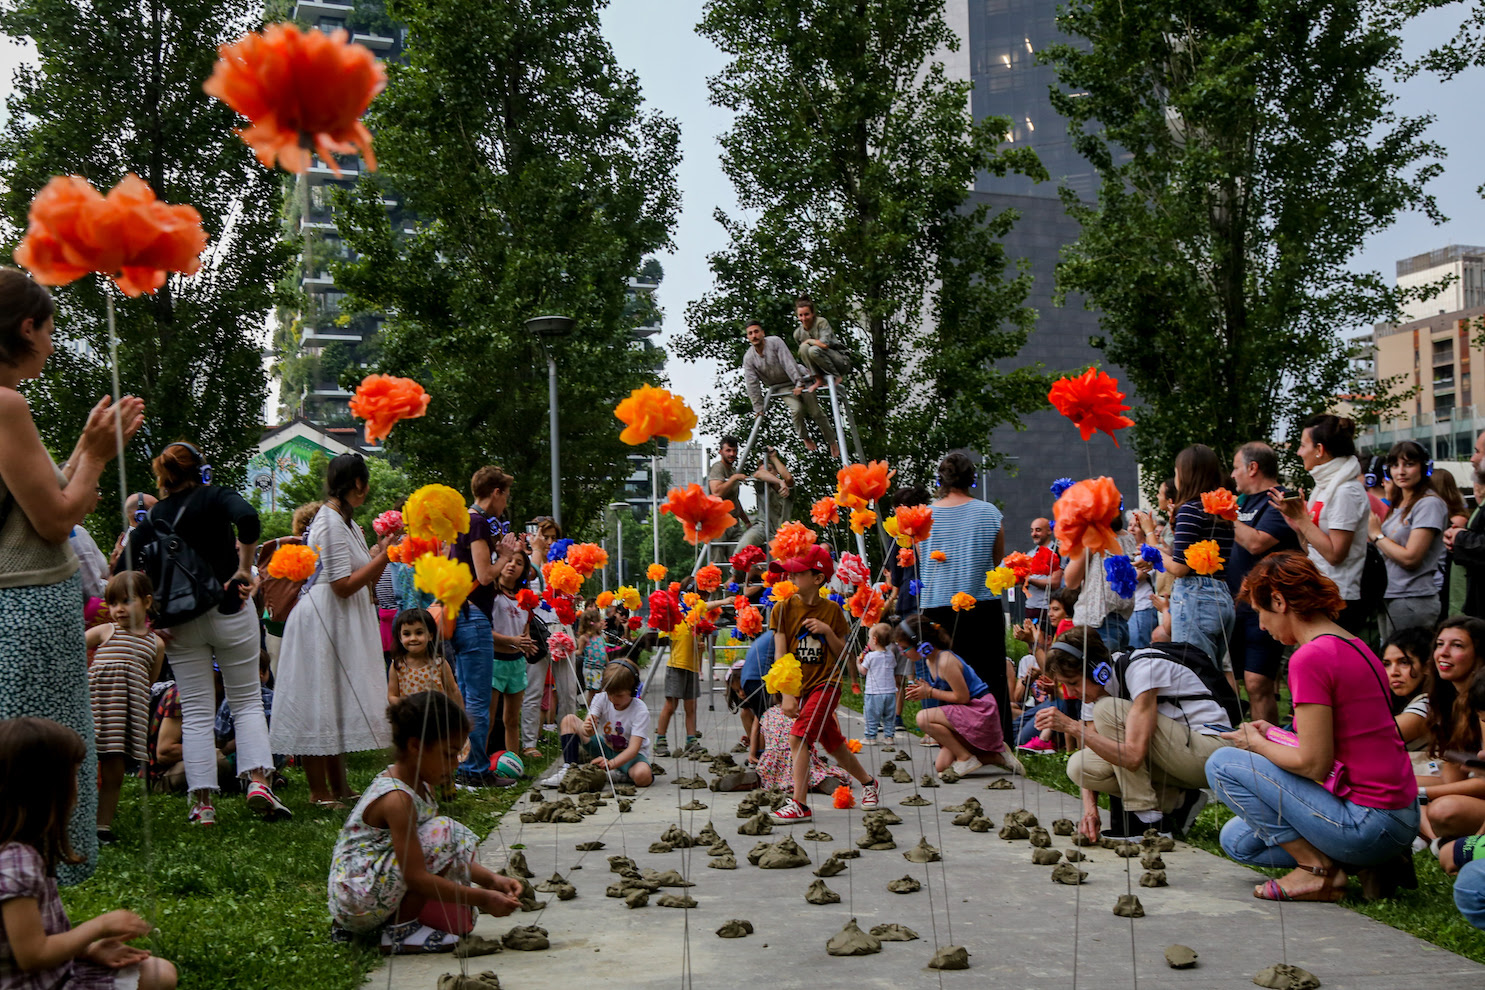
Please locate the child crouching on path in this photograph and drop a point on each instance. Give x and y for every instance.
(814, 628)
(615, 736)
(38, 945)
(399, 866)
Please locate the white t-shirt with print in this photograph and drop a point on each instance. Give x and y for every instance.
(616, 727)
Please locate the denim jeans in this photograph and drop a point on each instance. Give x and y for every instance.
(474, 666)
(881, 712)
(1114, 631)
(1142, 626)
(1275, 806)
(1469, 892)
(1202, 614)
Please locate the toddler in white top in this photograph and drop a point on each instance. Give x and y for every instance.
(879, 667)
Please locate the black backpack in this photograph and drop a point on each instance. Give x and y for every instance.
(1373, 580)
(1194, 660)
(185, 586)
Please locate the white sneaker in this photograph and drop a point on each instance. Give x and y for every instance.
(555, 780)
(966, 767)
(869, 741)
(1009, 761)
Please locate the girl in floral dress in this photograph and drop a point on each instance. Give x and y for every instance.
(591, 649)
(776, 767)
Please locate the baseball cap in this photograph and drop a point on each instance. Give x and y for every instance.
(817, 558)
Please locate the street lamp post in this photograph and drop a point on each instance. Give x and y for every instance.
(618, 509)
(552, 329)
(655, 506)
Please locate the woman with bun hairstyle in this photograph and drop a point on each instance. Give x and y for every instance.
(1338, 792)
(966, 720)
(1335, 522)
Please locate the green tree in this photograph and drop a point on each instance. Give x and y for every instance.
(116, 88)
(1246, 149)
(540, 184)
(856, 153)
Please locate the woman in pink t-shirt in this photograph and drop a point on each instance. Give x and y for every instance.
(1338, 792)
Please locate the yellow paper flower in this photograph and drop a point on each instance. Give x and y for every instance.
(436, 512)
(891, 526)
(962, 601)
(449, 581)
(999, 580)
(785, 676)
(784, 590)
(862, 520)
(629, 598)
(690, 599)
(656, 572)
(604, 599)
(1203, 557)
(565, 578)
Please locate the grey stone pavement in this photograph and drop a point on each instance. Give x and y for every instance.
(1021, 929)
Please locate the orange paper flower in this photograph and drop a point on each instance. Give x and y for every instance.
(383, 401)
(962, 601)
(749, 621)
(703, 517)
(128, 235)
(709, 578)
(1220, 503)
(859, 485)
(1020, 565)
(1204, 558)
(874, 609)
(914, 521)
(854, 745)
(604, 599)
(1092, 401)
(844, 797)
(654, 412)
(906, 557)
(1083, 515)
(585, 558)
(792, 540)
(293, 562)
(656, 572)
(784, 590)
(564, 578)
(938, 555)
(408, 549)
(824, 512)
(862, 520)
(301, 90)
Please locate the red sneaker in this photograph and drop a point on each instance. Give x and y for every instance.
(871, 794)
(791, 813)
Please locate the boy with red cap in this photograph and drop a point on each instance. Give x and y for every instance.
(814, 628)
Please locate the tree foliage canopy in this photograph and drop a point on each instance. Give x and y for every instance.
(1246, 148)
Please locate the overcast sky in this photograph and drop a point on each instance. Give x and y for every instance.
(658, 40)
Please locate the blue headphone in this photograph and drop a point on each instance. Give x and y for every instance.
(925, 650)
(1102, 672)
(1422, 456)
(201, 464)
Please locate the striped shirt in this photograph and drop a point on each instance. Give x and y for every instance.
(966, 534)
(1193, 525)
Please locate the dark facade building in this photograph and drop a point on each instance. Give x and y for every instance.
(999, 43)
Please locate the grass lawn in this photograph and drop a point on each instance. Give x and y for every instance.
(242, 905)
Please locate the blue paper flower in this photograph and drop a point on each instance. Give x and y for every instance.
(767, 597)
(1121, 575)
(733, 588)
(914, 586)
(839, 599)
(558, 550)
(1059, 486)
(1152, 556)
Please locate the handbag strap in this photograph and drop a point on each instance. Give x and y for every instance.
(1386, 693)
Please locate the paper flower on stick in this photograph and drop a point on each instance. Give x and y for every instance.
(388, 522)
(793, 539)
(862, 520)
(302, 91)
(1000, 579)
(449, 581)
(867, 604)
(564, 577)
(914, 521)
(824, 512)
(665, 614)
(1121, 574)
(1020, 565)
(938, 555)
(1204, 558)
(745, 558)
(784, 590)
(633, 624)
(1153, 556)
(654, 412)
(1092, 401)
(785, 676)
(1220, 503)
(558, 550)
(844, 797)
(656, 572)
(384, 401)
(749, 621)
(709, 578)
(703, 517)
(527, 599)
(561, 605)
(1084, 514)
(854, 745)
(852, 570)
(561, 645)
(859, 485)
(604, 599)
(128, 235)
(293, 562)
(585, 558)
(408, 549)
(962, 601)
(1059, 486)
(629, 598)
(436, 512)
(906, 557)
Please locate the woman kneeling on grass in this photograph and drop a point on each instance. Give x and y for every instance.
(401, 867)
(1339, 791)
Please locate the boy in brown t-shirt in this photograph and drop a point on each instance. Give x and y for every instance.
(814, 628)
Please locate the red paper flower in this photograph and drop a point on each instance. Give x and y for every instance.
(1092, 401)
(384, 401)
(914, 521)
(562, 606)
(844, 797)
(302, 90)
(745, 558)
(1019, 563)
(585, 558)
(906, 557)
(852, 570)
(1220, 503)
(709, 578)
(654, 412)
(703, 517)
(824, 512)
(859, 485)
(793, 539)
(665, 613)
(388, 522)
(1083, 515)
(128, 235)
(633, 623)
(527, 599)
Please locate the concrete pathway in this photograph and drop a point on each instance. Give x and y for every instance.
(1019, 927)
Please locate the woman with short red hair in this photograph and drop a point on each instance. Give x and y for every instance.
(1338, 792)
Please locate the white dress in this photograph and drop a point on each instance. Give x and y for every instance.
(331, 693)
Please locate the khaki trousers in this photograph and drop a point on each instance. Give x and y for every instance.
(1176, 761)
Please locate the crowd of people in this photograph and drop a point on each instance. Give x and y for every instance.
(1165, 676)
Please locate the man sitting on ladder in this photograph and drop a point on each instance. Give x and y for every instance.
(768, 363)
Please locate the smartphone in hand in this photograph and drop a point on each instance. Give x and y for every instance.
(232, 599)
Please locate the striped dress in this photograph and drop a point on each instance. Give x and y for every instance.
(119, 682)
